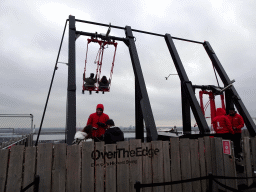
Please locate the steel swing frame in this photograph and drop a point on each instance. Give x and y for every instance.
(143, 111)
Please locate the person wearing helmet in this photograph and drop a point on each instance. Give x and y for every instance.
(98, 121)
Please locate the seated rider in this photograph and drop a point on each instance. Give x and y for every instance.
(90, 81)
(104, 83)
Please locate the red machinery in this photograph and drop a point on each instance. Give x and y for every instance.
(212, 102)
(96, 86)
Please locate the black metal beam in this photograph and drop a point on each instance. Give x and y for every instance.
(100, 36)
(152, 134)
(136, 30)
(71, 92)
(187, 85)
(186, 118)
(235, 96)
(139, 125)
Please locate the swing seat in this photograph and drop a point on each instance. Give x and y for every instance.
(89, 88)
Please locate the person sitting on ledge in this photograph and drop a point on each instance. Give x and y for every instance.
(84, 135)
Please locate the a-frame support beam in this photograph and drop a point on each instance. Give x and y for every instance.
(143, 102)
(187, 87)
(71, 95)
(234, 95)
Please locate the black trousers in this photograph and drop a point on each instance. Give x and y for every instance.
(237, 143)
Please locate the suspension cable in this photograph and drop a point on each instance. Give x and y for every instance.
(216, 75)
(55, 68)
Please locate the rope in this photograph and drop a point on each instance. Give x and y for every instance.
(55, 68)
(215, 75)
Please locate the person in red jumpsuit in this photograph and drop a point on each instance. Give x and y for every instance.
(98, 120)
(237, 122)
(222, 124)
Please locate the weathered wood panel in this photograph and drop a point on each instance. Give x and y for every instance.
(99, 166)
(135, 162)
(110, 160)
(59, 167)
(175, 163)
(157, 164)
(247, 159)
(253, 147)
(44, 166)
(185, 164)
(219, 161)
(202, 163)
(208, 155)
(14, 178)
(4, 153)
(167, 164)
(122, 167)
(195, 164)
(230, 169)
(73, 168)
(245, 133)
(87, 167)
(147, 167)
(213, 161)
(29, 167)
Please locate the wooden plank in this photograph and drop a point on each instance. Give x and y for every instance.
(88, 167)
(59, 167)
(44, 166)
(185, 163)
(195, 164)
(175, 163)
(230, 169)
(208, 155)
(157, 164)
(99, 166)
(135, 162)
(219, 161)
(213, 161)
(122, 167)
(110, 159)
(245, 133)
(167, 165)
(29, 167)
(14, 178)
(247, 159)
(253, 147)
(4, 154)
(73, 168)
(202, 163)
(147, 167)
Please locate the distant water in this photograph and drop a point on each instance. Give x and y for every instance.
(62, 136)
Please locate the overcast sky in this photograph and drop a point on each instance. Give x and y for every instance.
(30, 36)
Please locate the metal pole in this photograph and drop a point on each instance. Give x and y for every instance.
(139, 126)
(187, 85)
(152, 134)
(186, 118)
(71, 92)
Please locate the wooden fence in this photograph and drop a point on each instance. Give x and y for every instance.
(116, 167)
